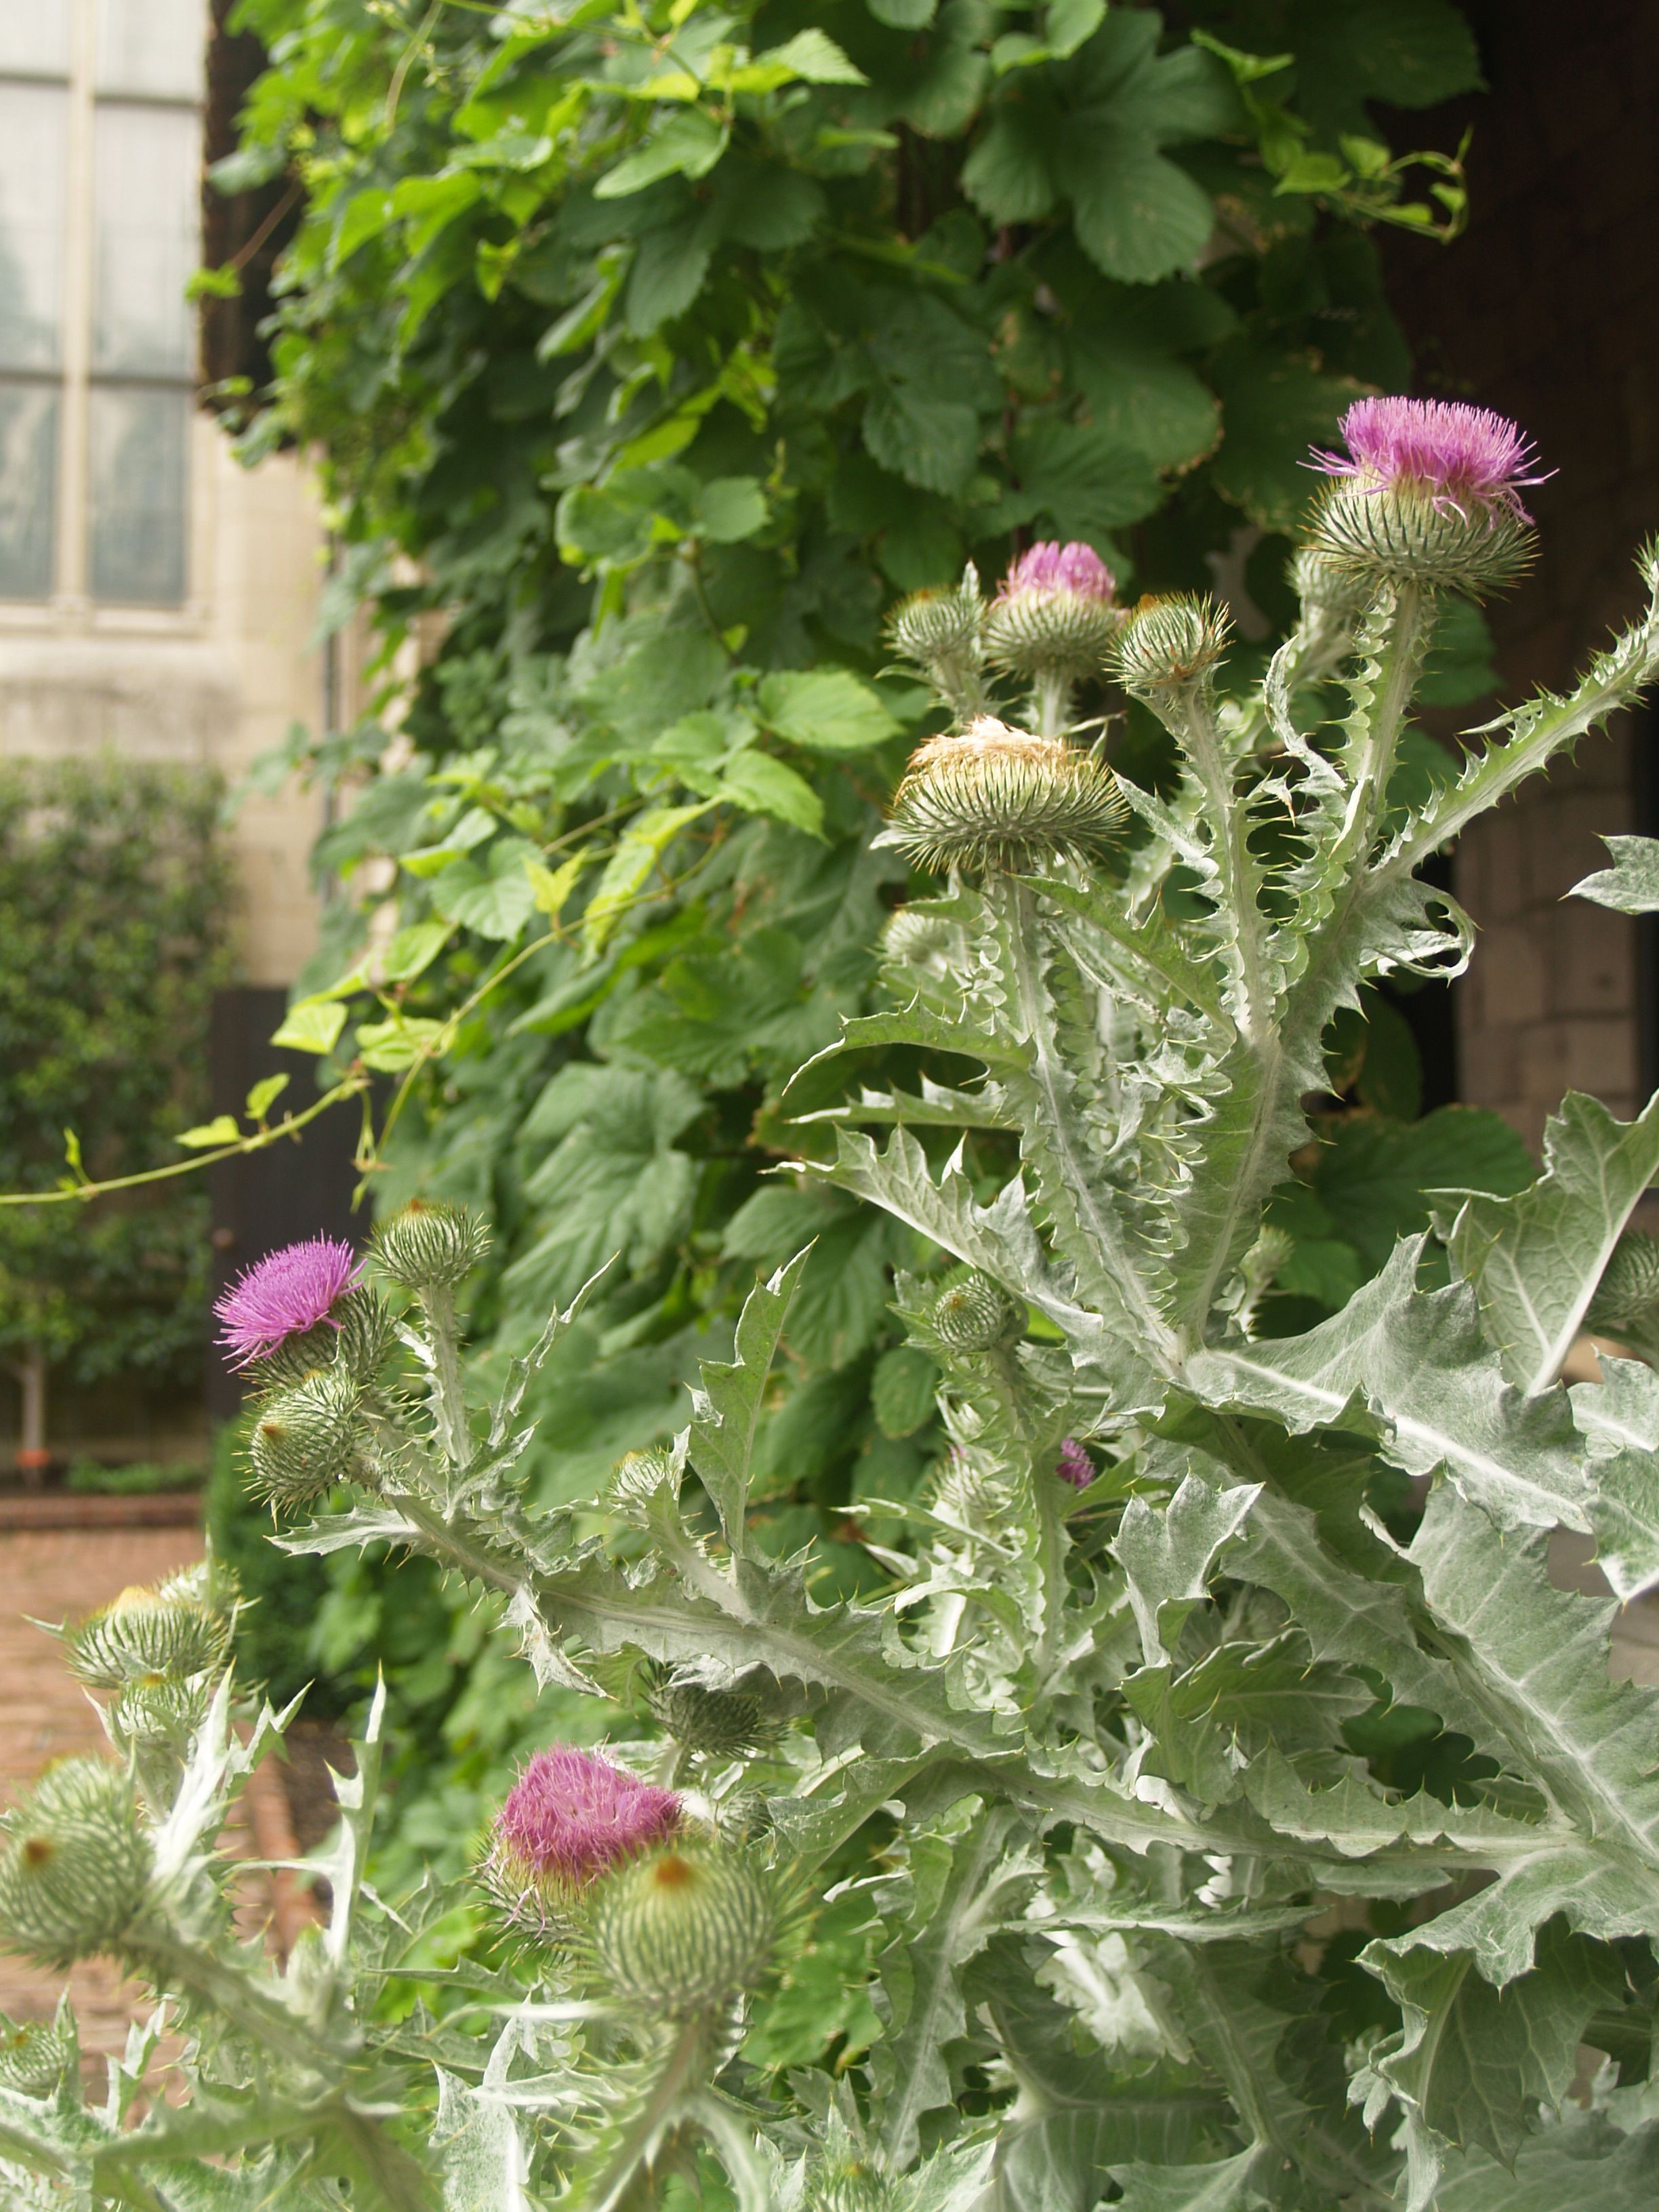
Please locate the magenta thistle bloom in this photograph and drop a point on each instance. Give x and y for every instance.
(284, 1295)
(570, 1817)
(1464, 459)
(1074, 1465)
(1075, 568)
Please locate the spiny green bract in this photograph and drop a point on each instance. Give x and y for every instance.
(307, 1439)
(429, 1245)
(681, 1932)
(74, 1864)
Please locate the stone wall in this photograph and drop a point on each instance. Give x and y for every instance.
(1545, 309)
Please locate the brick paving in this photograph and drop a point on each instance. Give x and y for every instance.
(46, 1715)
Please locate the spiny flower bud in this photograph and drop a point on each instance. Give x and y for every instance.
(1169, 645)
(145, 1633)
(34, 2055)
(570, 1817)
(159, 1709)
(1329, 587)
(289, 1294)
(999, 798)
(1629, 1288)
(74, 1863)
(680, 1932)
(940, 631)
(305, 1439)
(1429, 491)
(1054, 615)
(850, 2185)
(974, 1313)
(431, 1245)
(358, 1334)
(721, 1723)
(1074, 1465)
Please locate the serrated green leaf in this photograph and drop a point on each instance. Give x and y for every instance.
(639, 852)
(1534, 1259)
(982, 1880)
(760, 784)
(1222, 2184)
(1413, 1368)
(1630, 885)
(1137, 214)
(1619, 1419)
(264, 1095)
(688, 143)
(494, 899)
(824, 710)
(727, 509)
(727, 1410)
(903, 1390)
(1166, 1552)
(1472, 2062)
(223, 1129)
(311, 1025)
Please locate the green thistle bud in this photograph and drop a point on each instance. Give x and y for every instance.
(431, 1245)
(936, 625)
(159, 1709)
(1629, 1288)
(359, 1344)
(1398, 534)
(721, 1724)
(305, 1439)
(999, 798)
(35, 2054)
(940, 631)
(850, 2185)
(145, 1633)
(681, 1931)
(974, 1313)
(1169, 645)
(75, 1864)
(1329, 587)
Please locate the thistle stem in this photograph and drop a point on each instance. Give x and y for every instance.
(449, 1392)
(681, 2063)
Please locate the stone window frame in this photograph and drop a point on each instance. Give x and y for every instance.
(70, 608)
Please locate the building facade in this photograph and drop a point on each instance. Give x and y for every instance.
(156, 600)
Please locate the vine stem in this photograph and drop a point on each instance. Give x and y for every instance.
(289, 1126)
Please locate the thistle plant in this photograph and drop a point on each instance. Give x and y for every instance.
(1238, 1815)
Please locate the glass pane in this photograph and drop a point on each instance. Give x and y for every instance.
(34, 164)
(147, 222)
(34, 34)
(28, 489)
(138, 442)
(149, 45)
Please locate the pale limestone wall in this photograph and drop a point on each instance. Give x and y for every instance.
(215, 683)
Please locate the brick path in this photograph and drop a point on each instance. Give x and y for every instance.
(46, 1714)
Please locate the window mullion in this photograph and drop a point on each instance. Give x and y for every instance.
(73, 464)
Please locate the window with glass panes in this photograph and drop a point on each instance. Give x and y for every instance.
(99, 192)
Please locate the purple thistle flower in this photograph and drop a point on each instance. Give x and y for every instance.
(1075, 568)
(1074, 1465)
(284, 1295)
(1462, 456)
(570, 1817)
